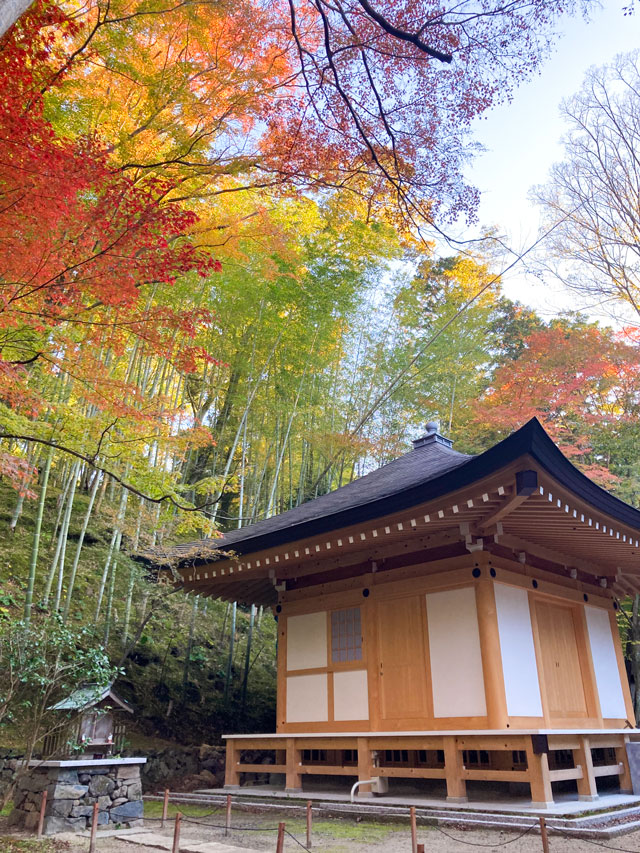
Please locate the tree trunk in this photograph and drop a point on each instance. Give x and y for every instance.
(247, 657)
(187, 659)
(232, 639)
(127, 609)
(76, 558)
(112, 586)
(10, 11)
(28, 601)
(58, 557)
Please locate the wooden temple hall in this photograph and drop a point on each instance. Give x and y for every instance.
(445, 617)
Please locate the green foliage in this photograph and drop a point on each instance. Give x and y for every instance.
(41, 662)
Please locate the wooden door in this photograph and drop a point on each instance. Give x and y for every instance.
(561, 668)
(402, 665)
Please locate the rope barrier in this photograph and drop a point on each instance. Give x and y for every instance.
(499, 844)
(198, 820)
(297, 841)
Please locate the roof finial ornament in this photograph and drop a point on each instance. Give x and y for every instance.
(432, 436)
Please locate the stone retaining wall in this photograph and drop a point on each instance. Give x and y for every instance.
(71, 794)
(176, 767)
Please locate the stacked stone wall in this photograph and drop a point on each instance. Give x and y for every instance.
(9, 760)
(71, 794)
(179, 768)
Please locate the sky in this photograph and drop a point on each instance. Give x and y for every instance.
(523, 139)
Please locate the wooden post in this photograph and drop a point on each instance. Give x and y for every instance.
(414, 830)
(231, 774)
(94, 829)
(622, 758)
(293, 777)
(176, 834)
(309, 822)
(497, 717)
(539, 779)
(165, 807)
(280, 841)
(420, 848)
(544, 836)
(365, 766)
(456, 785)
(587, 788)
(43, 806)
(227, 825)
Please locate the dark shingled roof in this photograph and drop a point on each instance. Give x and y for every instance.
(425, 473)
(415, 468)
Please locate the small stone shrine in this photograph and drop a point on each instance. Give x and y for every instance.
(74, 784)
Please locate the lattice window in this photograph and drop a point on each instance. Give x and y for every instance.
(346, 635)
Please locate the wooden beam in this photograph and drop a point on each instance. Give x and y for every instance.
(526, 484)
(559, 557)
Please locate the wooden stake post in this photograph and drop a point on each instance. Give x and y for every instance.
(43, 806)
(309, 822)
(227, 825)
(165, 807)
(94, 829)
(280, 842)
(420, 848)
(414, 830)
(176, 834)
(544, 836)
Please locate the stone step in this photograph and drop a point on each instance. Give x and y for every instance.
(165, 842)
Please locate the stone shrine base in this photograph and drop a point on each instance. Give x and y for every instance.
(72, 789)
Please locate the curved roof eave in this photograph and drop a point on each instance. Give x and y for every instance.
(529, 439)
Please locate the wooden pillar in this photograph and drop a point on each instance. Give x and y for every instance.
(626, 785)
(231, 774)
(497, 717)
(587, 789)
(365, 766)
(539, 781)
(624, 681)
(294, 778)
(453, 767)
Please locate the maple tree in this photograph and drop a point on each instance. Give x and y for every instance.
(372, 98)
(80, 245)
(581, 381)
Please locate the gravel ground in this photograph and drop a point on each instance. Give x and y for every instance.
(340, 836)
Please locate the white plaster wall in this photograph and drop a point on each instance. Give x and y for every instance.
(454, 650)
(519, 666)
(307, 641)
(307, 699)
(350, 695)
(605, 663)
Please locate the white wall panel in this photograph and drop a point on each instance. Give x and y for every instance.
(307, 641)
(307, 699)
(454, 649)
(350, 695)
(605, 663)
(519, 665)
